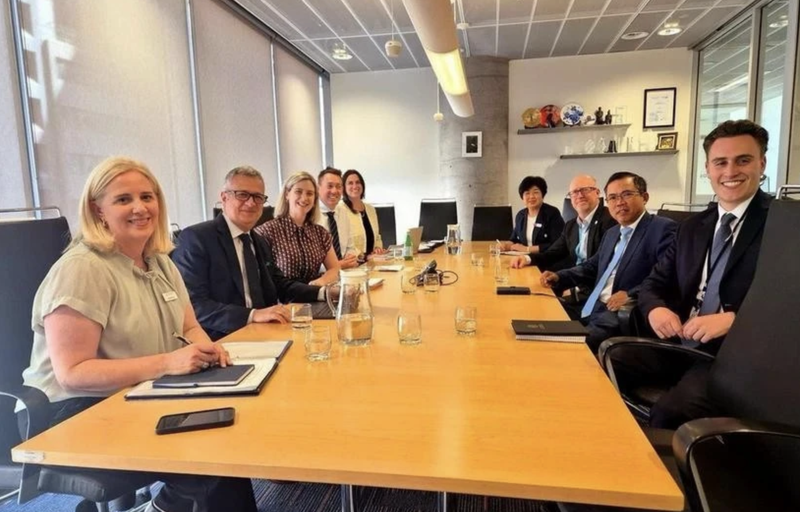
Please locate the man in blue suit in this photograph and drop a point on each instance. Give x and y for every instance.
(230, 275)
(627, 254)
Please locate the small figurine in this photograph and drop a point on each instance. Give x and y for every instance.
(598, 115)
(608, 117)
(612, 146)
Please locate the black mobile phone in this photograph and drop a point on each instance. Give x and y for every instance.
(197, 420)
(513, 290)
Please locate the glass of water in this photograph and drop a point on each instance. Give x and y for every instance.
(409, 327)
(300, 316)
(431, 282)
(318, 343)
(466, 320)
(408, 280)
(501, 271)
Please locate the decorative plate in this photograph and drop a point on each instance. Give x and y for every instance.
(550, 116)
(531, 118)
(571, 114)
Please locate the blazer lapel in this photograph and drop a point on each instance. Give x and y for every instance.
(633, 243)
(605, 257)
(594, 231)
(226, 242)
(753, 223)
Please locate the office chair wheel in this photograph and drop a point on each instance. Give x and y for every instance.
(86, 506)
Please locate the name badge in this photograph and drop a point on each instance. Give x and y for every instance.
(169, 296)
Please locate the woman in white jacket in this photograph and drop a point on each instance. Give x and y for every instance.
(365, 234)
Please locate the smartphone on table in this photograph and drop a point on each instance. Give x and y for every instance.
(197, 420)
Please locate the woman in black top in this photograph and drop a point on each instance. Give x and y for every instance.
(365, 234)
(537, 225)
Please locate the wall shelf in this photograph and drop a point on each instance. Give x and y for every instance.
(628, 153)
(537, 131)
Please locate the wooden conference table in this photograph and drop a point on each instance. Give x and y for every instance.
(482, 415)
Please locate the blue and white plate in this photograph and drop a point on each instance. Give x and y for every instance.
(571, 114)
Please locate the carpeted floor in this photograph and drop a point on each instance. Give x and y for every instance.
(303, 497)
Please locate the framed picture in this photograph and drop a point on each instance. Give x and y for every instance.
(659, 107)
(667, 140)
(471, 144)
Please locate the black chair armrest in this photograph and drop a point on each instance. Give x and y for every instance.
(693, 432)
(36, 403)
(611, 345)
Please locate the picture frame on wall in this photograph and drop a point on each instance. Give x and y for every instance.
(667, 141)
(471, 144)
(659, 107)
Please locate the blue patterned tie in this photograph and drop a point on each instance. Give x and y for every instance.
(334, 229)
(624, 236)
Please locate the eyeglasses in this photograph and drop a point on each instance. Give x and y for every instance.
(622, 196)
(583, 191)
(244, 196)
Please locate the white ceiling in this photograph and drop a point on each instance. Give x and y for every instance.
(516, 29)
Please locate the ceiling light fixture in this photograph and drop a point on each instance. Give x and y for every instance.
(632, 36)
(670, 29)
(393, 48)
(438, 116)
(433, 21)
(341, 53)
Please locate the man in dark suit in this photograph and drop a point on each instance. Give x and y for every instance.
(626, 256)
(230, 275)
(694, 292)
(579, 241)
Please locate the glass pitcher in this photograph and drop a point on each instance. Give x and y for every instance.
(453, 239)
(353, 310)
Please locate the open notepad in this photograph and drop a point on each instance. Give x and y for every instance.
(263, 355)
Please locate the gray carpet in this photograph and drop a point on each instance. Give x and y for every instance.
(303, 497)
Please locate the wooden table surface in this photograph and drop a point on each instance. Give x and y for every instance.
(482, 415)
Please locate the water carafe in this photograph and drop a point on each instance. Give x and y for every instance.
(354, 310)
(453, 239)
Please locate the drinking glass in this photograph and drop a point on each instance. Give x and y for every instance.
(431, 282)
(408, 280)
(318, 343)
(409, 327)
(466, 320)
(300, 316)
(501, 271)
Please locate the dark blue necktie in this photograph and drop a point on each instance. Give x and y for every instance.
(334, 229)
(251, 270)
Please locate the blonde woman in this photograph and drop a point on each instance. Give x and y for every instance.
(105, 316)
(300, 245)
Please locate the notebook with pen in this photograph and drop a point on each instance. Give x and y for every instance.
(263, 356)
(214, 376)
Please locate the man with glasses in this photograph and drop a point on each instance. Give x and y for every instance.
(693, 294)
(335, 216)
(231, 276)
(626, 256)
(579, 241)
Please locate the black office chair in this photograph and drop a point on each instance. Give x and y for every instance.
(679, 212)
(387, 223)
(435, 215)
(490, 223)
(788, 192)
(751, 460)
(568, 211)
(267, 215)
(28, 248)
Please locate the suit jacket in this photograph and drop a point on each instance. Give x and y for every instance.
(561, 254)
(206, 258)
(675, 281)
(549, 225)
(650, 240)
(358, 235)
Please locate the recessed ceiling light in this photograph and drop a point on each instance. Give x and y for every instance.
(340, 53)
(631, 36)
(670, 29)
(782, 22)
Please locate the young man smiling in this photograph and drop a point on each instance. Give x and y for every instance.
(694, 292)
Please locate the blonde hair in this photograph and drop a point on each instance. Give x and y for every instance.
(93, 233)
(282, 208)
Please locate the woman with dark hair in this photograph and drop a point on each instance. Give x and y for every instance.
(537, 225)
(365, 234)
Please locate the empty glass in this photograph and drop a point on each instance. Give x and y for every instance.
(318, 343)
(466, 320)
(501, 270)
(431, 282)
(408, 280)
(409, 327)
(300, 316)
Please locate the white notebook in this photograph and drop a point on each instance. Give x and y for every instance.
(263, 355)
